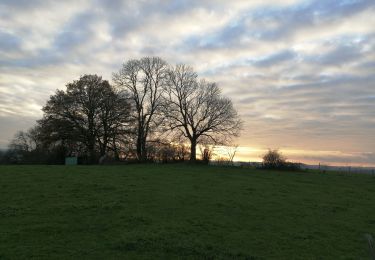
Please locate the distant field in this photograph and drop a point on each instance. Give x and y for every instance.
(182, 211)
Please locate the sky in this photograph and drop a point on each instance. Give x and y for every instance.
(300, 73)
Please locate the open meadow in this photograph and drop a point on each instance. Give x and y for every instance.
(183, 211)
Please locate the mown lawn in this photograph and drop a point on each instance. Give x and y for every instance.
(182, 211)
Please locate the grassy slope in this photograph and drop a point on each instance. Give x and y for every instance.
(182, 210)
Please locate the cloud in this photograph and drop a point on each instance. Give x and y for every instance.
(8, 42)
(299, 72)
(275, 58)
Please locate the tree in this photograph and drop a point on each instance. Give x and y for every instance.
(231, 152)
(166, 152)
(145, 80)
(20, 147)
(273, 159)
(114, 121)
(23, 142)
(27, 147)
(198, 110)
(89, 114)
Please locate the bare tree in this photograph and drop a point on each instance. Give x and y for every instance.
(198, 110)
(27, 147)
(145, 80)
(22, 142)
(231, 152)
(26, 141)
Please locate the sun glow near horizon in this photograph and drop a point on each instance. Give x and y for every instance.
(313, 157)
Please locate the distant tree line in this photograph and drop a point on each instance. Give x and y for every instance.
(152, 112)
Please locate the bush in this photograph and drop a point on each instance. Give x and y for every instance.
(273, 159)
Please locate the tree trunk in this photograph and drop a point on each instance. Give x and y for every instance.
(115, 150)
(103, 148)
(193, 150)
(144, 152)
(139, 140)
(139, 147)
(91, 150)
(91, 138)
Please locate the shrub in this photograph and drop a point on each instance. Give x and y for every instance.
(273, 159)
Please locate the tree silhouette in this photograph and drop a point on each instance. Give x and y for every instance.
(198, 110)
(145, 80)
(89, 113)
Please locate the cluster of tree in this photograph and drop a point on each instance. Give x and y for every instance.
(153, 111)
(273, 159)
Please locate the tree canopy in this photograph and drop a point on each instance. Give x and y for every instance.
(89, 117)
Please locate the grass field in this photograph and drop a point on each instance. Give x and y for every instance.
(182, 211)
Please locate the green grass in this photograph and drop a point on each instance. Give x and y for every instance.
(182, 211)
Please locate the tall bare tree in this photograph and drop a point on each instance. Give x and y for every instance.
(145, 80)
(198, 110)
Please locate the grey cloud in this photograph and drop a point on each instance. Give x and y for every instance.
(9, 42)
(361, 158)
(333, 108)
(276, 58)
(222, 38)
(289, 20)
(128, 16)
(340, 55)
(41, 58)
(310, 14)
(344, 50)
(21, 4)
(77, 32)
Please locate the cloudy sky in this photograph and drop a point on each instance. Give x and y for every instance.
(301, 73)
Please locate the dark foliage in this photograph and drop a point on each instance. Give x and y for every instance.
(88, 119)
(273, 159)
